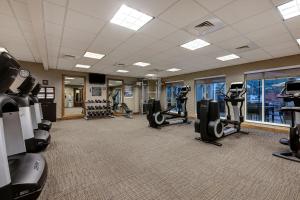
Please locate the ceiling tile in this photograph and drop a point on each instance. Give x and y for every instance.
(241, 9)
(293, 25)
(255, 55)
(103, 9)
(116, 32)
(5, 8)
(66, 64)
(104, 45)
(157, 28)
(77, 39)
(179, 37)
(58, 2)
(221, 35)
(269, 41)
(54, 30)
(283, 49)
(153, 7)
(183, 13)
(83, 22)
(54, 13)
(258, 22)
(272, 30)
(213, 5)
(21, 10)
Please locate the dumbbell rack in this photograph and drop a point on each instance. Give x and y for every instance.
(98, 109)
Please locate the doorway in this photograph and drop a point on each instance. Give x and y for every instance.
(73, 96)
(115, 93)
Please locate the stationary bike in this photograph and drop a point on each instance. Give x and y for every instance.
(209, 124)
(291, 93)
(157, 117)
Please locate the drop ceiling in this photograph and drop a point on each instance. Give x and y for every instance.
(57, 33)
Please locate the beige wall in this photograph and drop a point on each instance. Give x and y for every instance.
(232, 73)
(54, 78)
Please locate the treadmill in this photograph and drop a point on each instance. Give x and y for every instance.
(42, 123)
(22, 175)
(35, 139)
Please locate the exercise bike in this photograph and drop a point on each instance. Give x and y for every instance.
(209, 124)
(291, 93)
(156, 117)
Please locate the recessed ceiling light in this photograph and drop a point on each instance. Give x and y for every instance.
(69, 78)
(122, 71)
(195, 44)
(150, 75)
(228, 57)
(173, 70)
(83, 66)
(290, 9)
(93, 55)
(298, 40)
(2, 49)
(130, 18)
(141, 64)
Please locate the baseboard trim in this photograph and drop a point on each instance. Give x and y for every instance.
(266, 127)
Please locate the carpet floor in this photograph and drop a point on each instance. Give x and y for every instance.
(124, 159)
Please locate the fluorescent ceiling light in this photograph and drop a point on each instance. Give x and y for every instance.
(69, 78)
(195, 44)
(2, 49)
(290, 9)
(122, 71)
(173, 70)
(93, 55)
(83, 66)
(150, 75)
(141, 64)
(130, 18)
(298, 40)
(228, 57)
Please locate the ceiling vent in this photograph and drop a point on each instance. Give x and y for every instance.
(119, 65)
(245, 47)
(205, 26)
(69, 57)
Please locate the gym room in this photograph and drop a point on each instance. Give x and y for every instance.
(150, 100)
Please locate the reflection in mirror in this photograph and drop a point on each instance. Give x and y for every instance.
(115, 94)
(73, 96)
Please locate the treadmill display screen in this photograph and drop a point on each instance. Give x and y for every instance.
(293, 87)
(236, 86)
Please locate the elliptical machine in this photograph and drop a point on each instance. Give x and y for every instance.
(156, 117)
(35, 139)
(291, 93)
(209, 124)
(22, 175)
(42, 123)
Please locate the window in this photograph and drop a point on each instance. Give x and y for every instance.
(212, 88)
(172, 90)
(254, 100)
(262, 102)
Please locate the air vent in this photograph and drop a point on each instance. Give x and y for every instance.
(70, 57)
(205, 26)
(119, 65)
(243, 47)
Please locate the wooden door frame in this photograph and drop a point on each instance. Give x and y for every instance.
(107, 86)
(63, 96)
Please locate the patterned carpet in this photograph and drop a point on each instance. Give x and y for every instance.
(123, 159)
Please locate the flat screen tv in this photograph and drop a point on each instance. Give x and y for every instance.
(96, 78)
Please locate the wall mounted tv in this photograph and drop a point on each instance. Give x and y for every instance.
(97, 78)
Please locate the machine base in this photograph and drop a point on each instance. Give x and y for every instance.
(209, 142)
(288, 155)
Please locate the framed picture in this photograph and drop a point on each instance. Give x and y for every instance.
(45, 82)
(128, 91)
(96, 91)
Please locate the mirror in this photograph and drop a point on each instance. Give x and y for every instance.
(115, 94)
(74, 96)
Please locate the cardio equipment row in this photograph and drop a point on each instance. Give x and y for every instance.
(23, 133)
